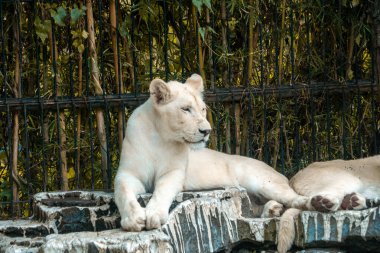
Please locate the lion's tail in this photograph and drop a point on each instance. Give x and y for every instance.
(287, 230)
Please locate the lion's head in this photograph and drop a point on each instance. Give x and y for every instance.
(181, 111)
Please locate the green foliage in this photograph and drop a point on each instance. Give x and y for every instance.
(59, 15)
(199, 3)
(76, 13)
(42, 28)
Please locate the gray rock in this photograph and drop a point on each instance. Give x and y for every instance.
(209, 221)
(357, 230)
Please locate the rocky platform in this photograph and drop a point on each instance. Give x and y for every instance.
(210, 221)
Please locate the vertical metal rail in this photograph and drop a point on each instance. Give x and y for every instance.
(90, 120)
(3, 61)
(296, 149)
(266, 151)
(122, 105)
(27, 159)
(10, 160)
(106, 105)
(57, 118)
(359, 113)
(374, 108)
(165, 48)
(73, 110)
(181, 37)
(41, 102)
(150, 43)
(343, 109)
(41, 107)
(278, 82)
(327, 91)
(247, 84)
(136, 85)
(312, 147)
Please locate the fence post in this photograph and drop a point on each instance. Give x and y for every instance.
(376, 45)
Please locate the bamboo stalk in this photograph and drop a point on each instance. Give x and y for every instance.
(281, 42)
(15, 118)
(98, 90)
(350, 50)
(61, 121)
(118, 76)
(79, 115)
(199, 43)
(224, 42)
(237, 128)
(203, 74)
(250, 42)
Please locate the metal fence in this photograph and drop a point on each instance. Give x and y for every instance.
(287, 82)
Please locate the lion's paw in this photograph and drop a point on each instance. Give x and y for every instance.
(135, 221)
(353, 201)
(272, 209)
(324, 203)
(155, 218)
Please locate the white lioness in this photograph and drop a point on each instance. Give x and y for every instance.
(333, 185)
(156, 158)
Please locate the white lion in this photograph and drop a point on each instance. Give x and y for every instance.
(156, 158)
(332, 185)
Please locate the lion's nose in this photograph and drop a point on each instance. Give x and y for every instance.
(205, 132)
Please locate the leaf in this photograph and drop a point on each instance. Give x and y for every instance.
(350, 74)
(81, 48)
(358, 39)
(198, 4)
(123, 29)
(84, 34)
(43, 36)
(59, 16)
(77, 13)
(208, 4)
(201, 31)
(42, 28)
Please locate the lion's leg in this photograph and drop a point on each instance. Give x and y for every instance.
(285, 195)
(353, 201)
(166, 188)
(132, 214)
(272, 209)
(340, 194)
(269, 184)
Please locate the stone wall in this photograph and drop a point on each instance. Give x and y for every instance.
(210, 221)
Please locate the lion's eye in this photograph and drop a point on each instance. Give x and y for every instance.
(186, 109)
(203, 109)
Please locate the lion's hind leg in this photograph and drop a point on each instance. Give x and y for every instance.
(325, 202)
(353, 201)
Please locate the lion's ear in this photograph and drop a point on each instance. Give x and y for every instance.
(196, 82)
(159, 91)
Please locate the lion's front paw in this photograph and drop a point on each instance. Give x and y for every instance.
(272, 209)
(155, 218)
(353, 201)
(135, 221)
(324, 203)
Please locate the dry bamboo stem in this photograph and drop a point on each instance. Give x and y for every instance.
(61, 118)
(281, 42)
(15, 118)
(118, 77)
(98, 90)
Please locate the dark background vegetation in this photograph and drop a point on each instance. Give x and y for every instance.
(287, 82)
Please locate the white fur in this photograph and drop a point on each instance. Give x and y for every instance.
(162, 153)
(332, 180)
